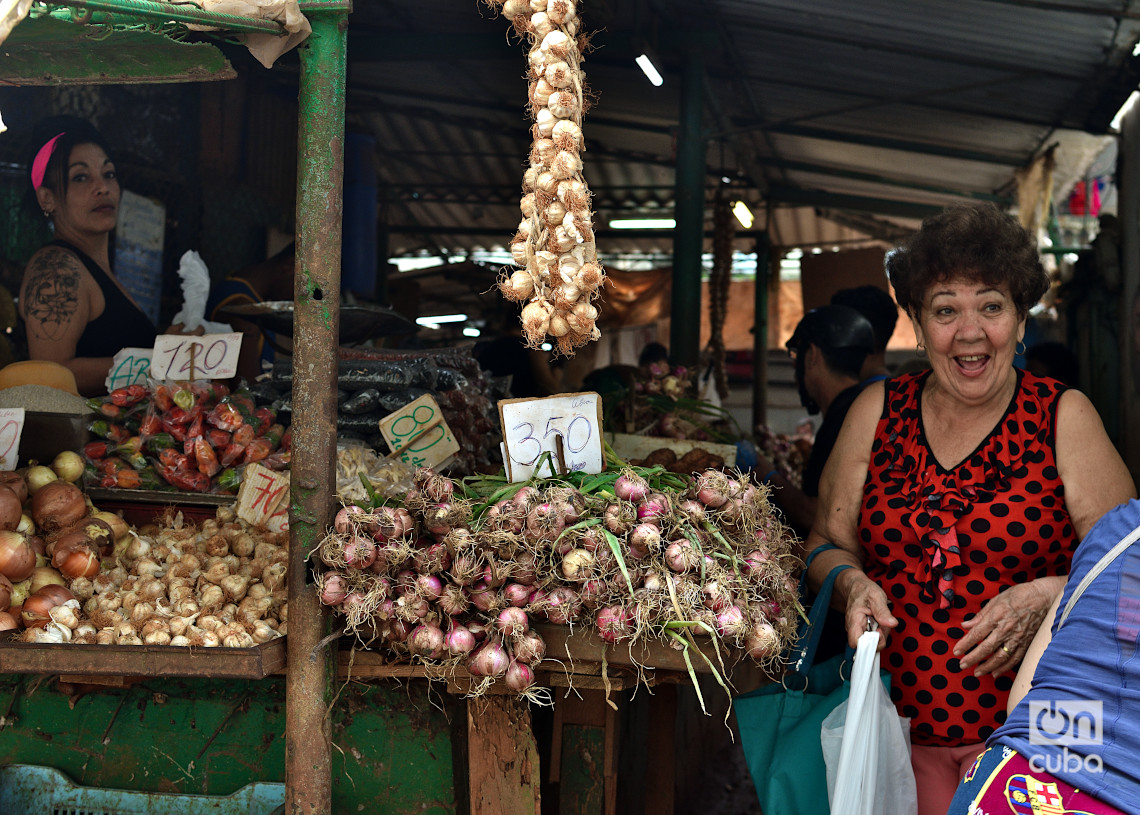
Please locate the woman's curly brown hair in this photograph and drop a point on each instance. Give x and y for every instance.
(979, 242)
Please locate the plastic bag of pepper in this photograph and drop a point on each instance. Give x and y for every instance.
(192, 436)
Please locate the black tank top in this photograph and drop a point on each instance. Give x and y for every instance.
(121, 325)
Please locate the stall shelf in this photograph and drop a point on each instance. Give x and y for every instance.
(49, 57)
(402, 745)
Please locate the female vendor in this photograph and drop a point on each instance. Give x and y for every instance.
(75, 311)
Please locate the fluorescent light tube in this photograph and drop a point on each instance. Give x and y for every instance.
(650, 70)
(743, 214)
(643, 223)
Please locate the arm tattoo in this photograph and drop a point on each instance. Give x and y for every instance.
(51, 293)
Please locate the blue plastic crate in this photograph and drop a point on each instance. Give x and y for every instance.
(26, 788)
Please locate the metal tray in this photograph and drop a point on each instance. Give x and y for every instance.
(143, 660)
(357, 323)
(175, 498)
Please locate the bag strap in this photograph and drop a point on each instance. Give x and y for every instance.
(1102, 564)
(803, 655)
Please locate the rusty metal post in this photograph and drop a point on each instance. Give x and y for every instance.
(760, 332)
(316, 330)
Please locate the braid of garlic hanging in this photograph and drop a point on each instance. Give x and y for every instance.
(554, 245)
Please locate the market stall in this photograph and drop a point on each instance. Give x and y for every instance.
(662, 623)
(144, 53)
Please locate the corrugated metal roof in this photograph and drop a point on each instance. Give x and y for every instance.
(846, 121)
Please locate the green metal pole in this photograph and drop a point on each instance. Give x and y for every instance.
(316, 330)
(760, 332)
(688, 238)
(168, 12)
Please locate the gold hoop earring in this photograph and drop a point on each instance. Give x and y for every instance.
(920, 351)
(1021, 351)
(48, 213)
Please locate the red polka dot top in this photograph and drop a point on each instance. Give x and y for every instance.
(942, 542)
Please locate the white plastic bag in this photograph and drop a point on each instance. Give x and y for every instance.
(866, 745)
(195, 290)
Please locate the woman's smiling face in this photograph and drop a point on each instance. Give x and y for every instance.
(971, 330)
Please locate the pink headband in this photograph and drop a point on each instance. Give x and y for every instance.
(40, 162)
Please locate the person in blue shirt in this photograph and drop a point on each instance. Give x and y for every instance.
(1071, 741)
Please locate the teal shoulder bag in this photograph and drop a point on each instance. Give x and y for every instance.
(780, 723)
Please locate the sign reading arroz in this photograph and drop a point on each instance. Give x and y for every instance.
(567, 426)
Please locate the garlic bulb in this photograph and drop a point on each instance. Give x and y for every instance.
(558, 75)
(540, 24)
(563, 104)
(513, 8)
(556, 43)
(545, 121)
(566, 135)
(561, 12)
(555, 213)
(565, 165)
(540, 93)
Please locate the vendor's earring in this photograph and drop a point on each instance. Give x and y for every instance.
(920, 351)
(48, 213)
(1021, 350)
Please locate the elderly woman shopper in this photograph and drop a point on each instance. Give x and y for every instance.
(957, 495)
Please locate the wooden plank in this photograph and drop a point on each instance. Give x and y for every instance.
(143, 660)
(582, 787)
(610, 761)
(503, 766)
(660, 769)
(586, 647)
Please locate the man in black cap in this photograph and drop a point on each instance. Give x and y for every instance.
(829, 346)
(882, 312)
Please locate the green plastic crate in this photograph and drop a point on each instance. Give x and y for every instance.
(26, 788)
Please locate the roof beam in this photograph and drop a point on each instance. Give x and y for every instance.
(856, 175)
(906, 146)
(870, 101)
(841, 201)
(809, 30)
(1069, 8)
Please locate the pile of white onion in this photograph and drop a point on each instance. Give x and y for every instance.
(221, 583)
(554, 245)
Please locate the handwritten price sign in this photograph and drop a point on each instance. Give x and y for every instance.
(178, 357)
(131, 366)
(263, 498)
(11, 427)
(568, 426)
(419, 433)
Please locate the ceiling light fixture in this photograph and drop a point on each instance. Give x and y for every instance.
(743, 214)
(650, 70)
(435, 322)
(1129, 103)
(643, 223)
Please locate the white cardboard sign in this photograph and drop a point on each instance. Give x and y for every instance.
(182, 357)
(419, 434)
(11, 428)
(131, 366)
(568, 426)
(263, 498)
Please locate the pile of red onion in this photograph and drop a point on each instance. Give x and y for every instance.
(436, 582)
